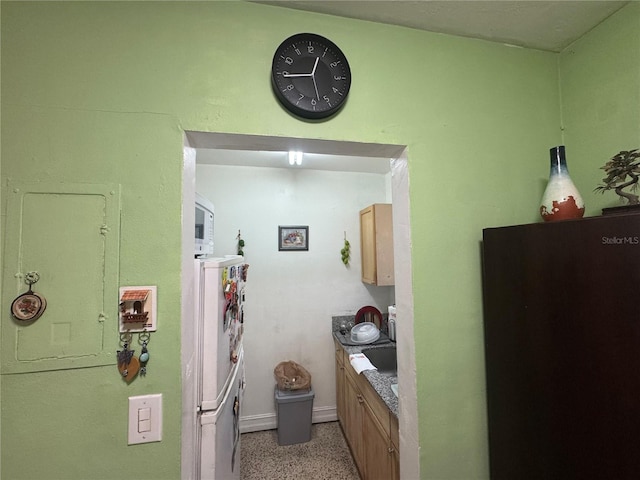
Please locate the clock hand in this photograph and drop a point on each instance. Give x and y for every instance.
(290, 75)
(313, 77)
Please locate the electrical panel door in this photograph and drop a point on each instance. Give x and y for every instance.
(68, 235)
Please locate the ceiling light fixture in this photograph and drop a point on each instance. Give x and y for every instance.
(295, 157)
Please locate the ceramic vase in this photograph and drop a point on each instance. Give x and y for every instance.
(561, 199)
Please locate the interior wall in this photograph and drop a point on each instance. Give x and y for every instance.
(293, 295)
(97, 92)
(600, 84)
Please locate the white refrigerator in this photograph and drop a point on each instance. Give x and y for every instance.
(219, 366)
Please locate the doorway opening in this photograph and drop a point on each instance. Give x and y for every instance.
(349, 155)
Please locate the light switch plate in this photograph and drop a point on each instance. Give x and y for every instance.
(145, 419)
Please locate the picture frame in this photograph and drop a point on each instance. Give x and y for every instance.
(293, 238)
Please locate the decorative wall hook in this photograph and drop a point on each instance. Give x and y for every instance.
(29, 306)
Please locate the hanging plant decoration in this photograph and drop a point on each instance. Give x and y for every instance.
(240, 244)
(623, 170)
(346, 250)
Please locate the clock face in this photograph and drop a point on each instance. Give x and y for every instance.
(310, 76)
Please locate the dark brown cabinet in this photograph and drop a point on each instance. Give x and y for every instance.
(562, 342)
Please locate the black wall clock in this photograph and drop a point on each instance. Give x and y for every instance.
(310, 76)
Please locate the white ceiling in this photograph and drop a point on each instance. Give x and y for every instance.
(542, 25)
(273, 152)
(313, 161)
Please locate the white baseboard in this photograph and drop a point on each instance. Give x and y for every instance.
(324, 414)
(268, 421)
(257, 423)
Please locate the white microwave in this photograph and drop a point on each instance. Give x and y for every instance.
(204, 227)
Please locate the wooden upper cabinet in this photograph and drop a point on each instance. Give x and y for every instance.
(376, 244)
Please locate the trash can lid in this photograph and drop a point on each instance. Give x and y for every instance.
(288, 396)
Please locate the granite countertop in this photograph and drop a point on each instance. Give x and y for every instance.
(380, 383)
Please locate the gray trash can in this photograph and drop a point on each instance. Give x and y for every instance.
(294, 409)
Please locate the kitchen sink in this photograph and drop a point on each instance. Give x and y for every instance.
(383, 358)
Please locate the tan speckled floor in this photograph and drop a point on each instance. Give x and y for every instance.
(325, 457)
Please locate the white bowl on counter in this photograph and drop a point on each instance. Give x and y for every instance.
(364, 333)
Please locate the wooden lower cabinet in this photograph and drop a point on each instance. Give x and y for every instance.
(377, 455)
(395, 448)
(340, 384)
(370, 429)
(353, 430)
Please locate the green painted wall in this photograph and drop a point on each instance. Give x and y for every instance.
(98, 92)
(600, 85)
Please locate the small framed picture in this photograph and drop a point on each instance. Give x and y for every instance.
(293, 238)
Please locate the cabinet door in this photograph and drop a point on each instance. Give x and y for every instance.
(562, 333)
(340, 402)
(377, 454)
(395, 443)
(376, 244)
(395, 464)
(353, 421)
(368, 245)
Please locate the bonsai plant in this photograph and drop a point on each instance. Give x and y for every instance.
(623, 170)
